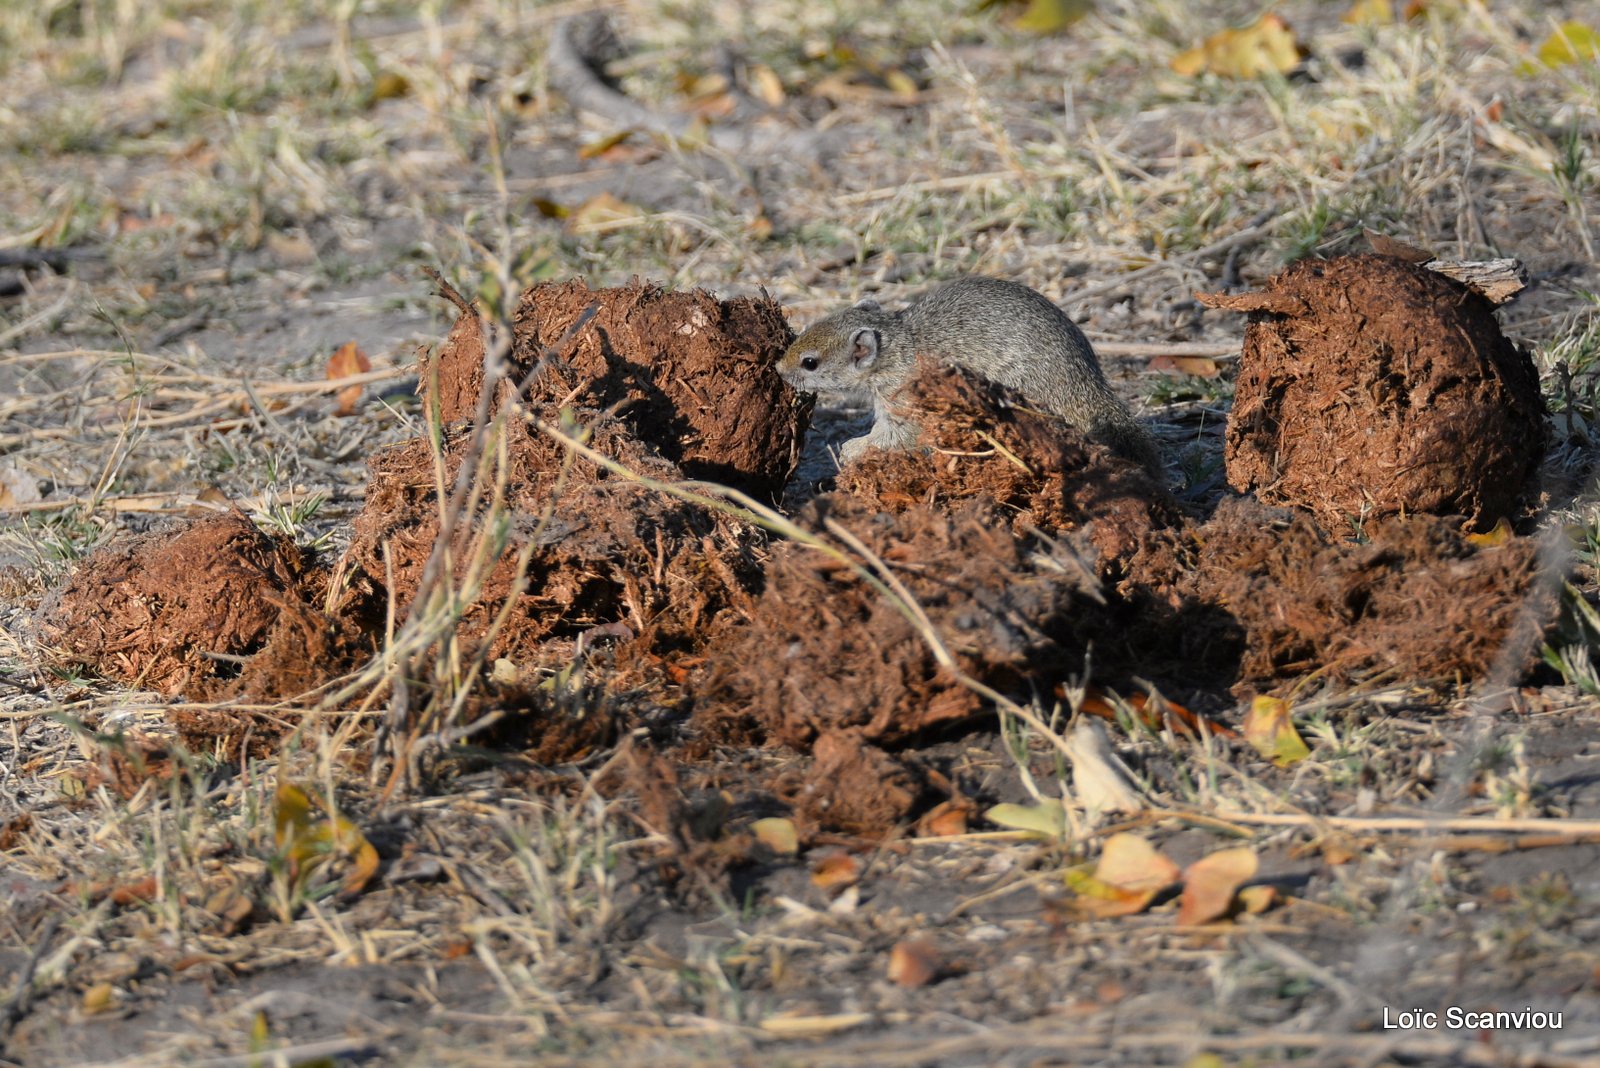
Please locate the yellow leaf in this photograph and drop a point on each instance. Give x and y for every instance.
(1205, 1060)
(306, 840)
(603, 211)
(389, 85)
(1257, 899)
(767, 85)
(98, 998)
(1130, 873)
(777, 834)
(291, 818)
(1265, 46)
(1267, 727)
(1492, 538)
(1128, 861)
(900, 83)
(1046, 820)
(1370, 13)
(603, 145)
(1570, 42)
(1210, 883)
(1100, 900)
(1052, 16)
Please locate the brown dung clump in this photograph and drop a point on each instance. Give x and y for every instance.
(211, 610)
(1417, 599)
(1370, 386)
(981, 442)
(602, 551)
(693, 376)
(824, 650)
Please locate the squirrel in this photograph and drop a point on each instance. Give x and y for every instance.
(1004, 331)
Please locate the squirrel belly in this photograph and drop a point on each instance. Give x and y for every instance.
(1004, 331)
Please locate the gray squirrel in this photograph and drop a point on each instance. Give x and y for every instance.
(1004, 331)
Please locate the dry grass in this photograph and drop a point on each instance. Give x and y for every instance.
(250, 184)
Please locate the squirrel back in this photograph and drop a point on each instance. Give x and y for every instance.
(1004, 331)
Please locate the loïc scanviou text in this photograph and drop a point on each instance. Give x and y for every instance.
(1455, 1017)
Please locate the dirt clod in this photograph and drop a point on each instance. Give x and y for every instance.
(1370, 386)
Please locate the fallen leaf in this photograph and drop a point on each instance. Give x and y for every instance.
(230, 907)
(1153, 711)
(389, 85)
(549, 208)
(602, 211)
(767, 85)
(777, 834)
(17, 487)
(348, 360)
(1128, 876)
(1265, 46)
(1210, 883)
(1490, 539)
(1205, 1060)
(914, 962)
(946, 819)
(855, 85)
(1257, 899)
(595, 149)
(814, 1026)
(1052, 16)
(1369, 13)
(709, 94)
(1101, 782)
(134, 893)
(1268, 728)
(1199, 366)
(1131, 862)
(835, 872)
(1047, 821)
(306, 840)
(98, 998)
(1570, 42)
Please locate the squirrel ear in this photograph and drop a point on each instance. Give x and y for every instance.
(864, 347)
(868, 304)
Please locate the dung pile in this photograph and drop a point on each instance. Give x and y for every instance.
(1006, 548)
(1370, 386)
(204, 610)
(214, 610)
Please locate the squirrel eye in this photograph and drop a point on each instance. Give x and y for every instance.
(809, 363)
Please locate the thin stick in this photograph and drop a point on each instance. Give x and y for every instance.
(1568, 829)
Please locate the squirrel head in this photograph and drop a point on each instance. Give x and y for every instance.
(841, 353)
